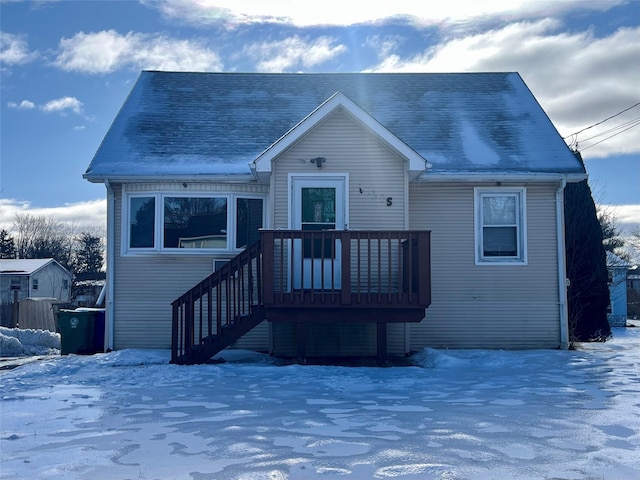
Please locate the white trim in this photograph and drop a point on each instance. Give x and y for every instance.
(562, 268)
(519, 193)
(339, 181)
(125, 224)
(343, 177)
(239, 178)
(111, 262)
(262, 165)
(159, 196)
(524, 177)
(406, 200)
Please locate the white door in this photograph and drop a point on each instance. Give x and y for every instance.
(317, 204)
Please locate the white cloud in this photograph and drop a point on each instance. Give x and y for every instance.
(385, 45)
(578, 79)
(23, 105)
(14, 50)
(338, 12)
(627, 217)
(292, 53)
(62, 105)
(83, 214)
(107, 51)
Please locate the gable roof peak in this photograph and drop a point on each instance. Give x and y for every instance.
(262, 165)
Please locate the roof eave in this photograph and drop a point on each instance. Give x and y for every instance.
(226, 178)
(529, 177)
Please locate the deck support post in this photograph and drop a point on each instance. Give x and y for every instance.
(301, 341)
(381, 336)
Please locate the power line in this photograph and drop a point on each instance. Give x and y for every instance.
(628, 128)
(601, 122)
(613, 129)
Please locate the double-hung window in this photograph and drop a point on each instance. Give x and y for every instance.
(177, 222)
(500, 233)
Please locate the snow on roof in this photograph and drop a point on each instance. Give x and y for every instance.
(23, 266)
(615, 261)
(216, 124)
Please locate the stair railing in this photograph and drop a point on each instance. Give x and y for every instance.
(217, 301)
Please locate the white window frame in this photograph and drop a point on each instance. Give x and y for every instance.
(519, 193)
(126, 226)
(158, 248)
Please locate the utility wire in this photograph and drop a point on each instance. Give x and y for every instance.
(602, 121)
(613, 129)
(594, 144)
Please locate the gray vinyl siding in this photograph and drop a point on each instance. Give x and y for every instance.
(375, 173)
(327, 340)
(397, 339)
(145, 285)
(345, 340)
(486, 306)
(473, 306)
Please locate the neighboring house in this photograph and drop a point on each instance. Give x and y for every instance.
(359, 214)
(87, 288)
(633, 293)
(617, 269)
(42, 277)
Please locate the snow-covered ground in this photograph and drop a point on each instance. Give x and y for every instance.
(460, 415)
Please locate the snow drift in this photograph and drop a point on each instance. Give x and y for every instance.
(16, 342)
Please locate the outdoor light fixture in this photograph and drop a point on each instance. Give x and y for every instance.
(318, 161)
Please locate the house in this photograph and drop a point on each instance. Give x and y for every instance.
(617, 269)
(34, 284)
(334, 214)
(633, 293)
(42, 277)
(87, 288)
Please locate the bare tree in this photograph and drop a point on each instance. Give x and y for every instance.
(633, 242)
(42, 237)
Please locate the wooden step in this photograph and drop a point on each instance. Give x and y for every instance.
(228, 334)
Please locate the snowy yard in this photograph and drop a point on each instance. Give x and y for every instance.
(461, 415)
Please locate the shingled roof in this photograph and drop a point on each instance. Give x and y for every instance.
(177, 124)
(23, 266)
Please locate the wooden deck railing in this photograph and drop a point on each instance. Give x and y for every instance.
(346, 269)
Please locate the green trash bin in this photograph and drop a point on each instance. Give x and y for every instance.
(76, 330)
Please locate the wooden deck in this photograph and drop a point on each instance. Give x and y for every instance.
(302, 276)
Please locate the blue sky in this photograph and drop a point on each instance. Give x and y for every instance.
(67, 66)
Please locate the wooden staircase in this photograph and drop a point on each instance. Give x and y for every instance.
(219, 310)
(230, 332)
(384, 277)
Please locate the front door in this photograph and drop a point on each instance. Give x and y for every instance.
(317, 203)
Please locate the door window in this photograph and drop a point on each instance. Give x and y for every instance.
(318, 213)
